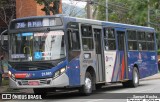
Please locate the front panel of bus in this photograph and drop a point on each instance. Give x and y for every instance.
(37, 53)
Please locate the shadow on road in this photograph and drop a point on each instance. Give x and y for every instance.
(105, 92)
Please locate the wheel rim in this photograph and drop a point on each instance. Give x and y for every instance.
(88, 84)
(135, 77)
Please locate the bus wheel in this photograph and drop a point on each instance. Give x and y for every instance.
(0, 79)
(86, 89)
(40, 91)
(135, 80)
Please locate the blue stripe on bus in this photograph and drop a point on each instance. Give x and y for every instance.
(146, 62)
(73, 72)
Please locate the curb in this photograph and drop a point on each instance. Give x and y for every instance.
(149, 79)
(156, 76)
(3, 89)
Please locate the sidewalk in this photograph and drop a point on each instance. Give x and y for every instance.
(6, 89)
(156, 76)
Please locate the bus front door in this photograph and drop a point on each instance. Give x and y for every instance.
(122, 54)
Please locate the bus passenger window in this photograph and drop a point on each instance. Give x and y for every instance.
(87, 37)
(142, 40)
(110, 44)
(86, 31)
(150, 36)
(109, 39)
(132, 45)
(141, 36)
(132, 40)
(150, 46)
(87, 44)
(150, 41)
(142, 46)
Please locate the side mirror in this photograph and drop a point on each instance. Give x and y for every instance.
(2, 57)
(3, 37)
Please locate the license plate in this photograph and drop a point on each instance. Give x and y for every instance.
(34, 83)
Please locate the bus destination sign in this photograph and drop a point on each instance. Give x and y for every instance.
(34, 23)
(28, 24)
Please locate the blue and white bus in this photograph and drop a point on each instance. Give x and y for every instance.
(56, 52)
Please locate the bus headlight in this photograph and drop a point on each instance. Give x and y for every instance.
(11, 75)
(59, 72)
(62, 70)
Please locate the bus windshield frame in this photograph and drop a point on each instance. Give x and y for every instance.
(37, 46)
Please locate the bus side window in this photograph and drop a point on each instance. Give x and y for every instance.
(132, 40)
(109, 39)
(142, 45)
(73, 40)
(87, 37)
(150, 41)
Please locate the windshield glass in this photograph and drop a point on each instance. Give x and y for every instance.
(37, 46)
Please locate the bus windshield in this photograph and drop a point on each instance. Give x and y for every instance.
(37, 46)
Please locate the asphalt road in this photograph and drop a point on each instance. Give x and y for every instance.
(113, 93)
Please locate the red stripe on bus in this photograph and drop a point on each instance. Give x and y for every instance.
(123, 68)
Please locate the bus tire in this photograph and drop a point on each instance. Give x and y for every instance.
(135, 81)
(40, 91)
(0, 79)
(86, 89)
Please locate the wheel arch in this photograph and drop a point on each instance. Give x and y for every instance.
(136, 66)
(91, 70)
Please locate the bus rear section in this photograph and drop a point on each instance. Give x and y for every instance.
(130, 54)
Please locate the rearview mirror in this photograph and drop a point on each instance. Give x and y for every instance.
(1, 57)
(3, 38)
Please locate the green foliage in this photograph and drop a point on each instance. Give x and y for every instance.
(49, 6)
(128, 11)
(158, 51)
(132, 12)
(101, 14)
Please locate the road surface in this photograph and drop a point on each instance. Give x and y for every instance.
(111, 93)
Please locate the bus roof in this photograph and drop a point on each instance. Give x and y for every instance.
(94, 22)
(111, 24)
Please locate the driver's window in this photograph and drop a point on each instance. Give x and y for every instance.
(73, 40)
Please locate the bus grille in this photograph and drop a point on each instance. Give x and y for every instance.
(41, 82)
(32, 66)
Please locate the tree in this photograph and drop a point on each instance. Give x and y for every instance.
(7, 10)
(50, 6)
(68, 9)
(72, 9)
(132, 12)
(127, 11)
(101, 10)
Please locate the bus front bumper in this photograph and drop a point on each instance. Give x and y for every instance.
(58, 82)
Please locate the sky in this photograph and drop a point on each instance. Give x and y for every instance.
(73, 2)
